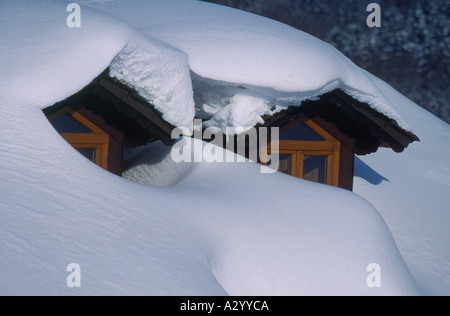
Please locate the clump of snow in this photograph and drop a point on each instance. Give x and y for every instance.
(153, 165)
(160, 74)
(242, 111)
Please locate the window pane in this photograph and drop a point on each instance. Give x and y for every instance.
(67, 124)
(285, 164)
(89, 153)
(315, 168)
(300, 131)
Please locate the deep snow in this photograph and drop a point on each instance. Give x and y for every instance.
(242, 50)
(224, 229)
(412, 192)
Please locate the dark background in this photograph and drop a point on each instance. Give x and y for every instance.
(411, 51)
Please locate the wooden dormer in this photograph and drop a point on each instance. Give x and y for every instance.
(106, 116)
(319, 139)
(309, 152)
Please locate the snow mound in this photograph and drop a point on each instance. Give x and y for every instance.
(53, 61)
(224, 229)
(44, 60)
(153, 165)
(290, 229)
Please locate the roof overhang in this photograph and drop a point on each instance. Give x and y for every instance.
(369, 128)
(115, 101)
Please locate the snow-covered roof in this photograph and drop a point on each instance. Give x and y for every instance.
(277, 64)
(193, 239)
(186, 56)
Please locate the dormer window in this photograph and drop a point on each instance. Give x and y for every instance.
(106, 118)
(87, 138)
(307, 151)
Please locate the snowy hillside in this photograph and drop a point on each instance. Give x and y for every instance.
(411, 191)
(225, 228)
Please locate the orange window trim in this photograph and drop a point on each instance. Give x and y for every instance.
(98, 140)
(299, 148)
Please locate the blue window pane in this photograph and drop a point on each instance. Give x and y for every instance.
(89, 153)
(285, 165)
(315, 168)
(67, 124)
(301, 131)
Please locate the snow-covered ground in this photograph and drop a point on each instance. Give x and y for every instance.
(412, 192)
(225, 228)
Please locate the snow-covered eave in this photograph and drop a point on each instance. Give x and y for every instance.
(237, 107)
(394, 135)
(353, 118)
(160, 68)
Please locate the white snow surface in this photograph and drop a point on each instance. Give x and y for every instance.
(412, 192)
(102, 41)
(153, 165)
(224, 229)
(239, 49)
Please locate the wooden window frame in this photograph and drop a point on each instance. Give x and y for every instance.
(98, 139)
(294, 160)
(299, 148)
(333, 160)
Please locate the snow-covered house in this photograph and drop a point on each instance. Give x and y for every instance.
(106, 116)
(222, 228)
(318, 139)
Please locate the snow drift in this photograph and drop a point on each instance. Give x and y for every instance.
(212, 234)
(411, 191)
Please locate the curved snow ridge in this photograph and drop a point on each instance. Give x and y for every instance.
(46, 61)
(291, 242)
(279, 236)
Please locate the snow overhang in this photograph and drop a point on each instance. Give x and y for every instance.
(229, 49)
(245, 67)
(370, 129)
